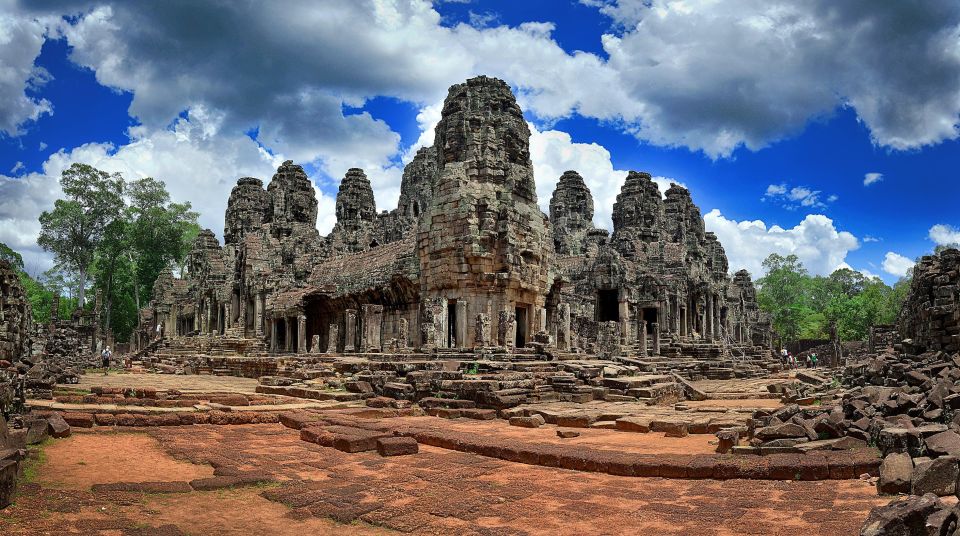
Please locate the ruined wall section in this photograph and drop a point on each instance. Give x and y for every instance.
(16, 316)
(571, 214)
(930, 314)
(484, 240)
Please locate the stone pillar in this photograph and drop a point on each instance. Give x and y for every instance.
(506, 329)
(228, 315)
(288, 342)
(625, 322)
(273, 335)
(675, 315)
(55, 311)
(333, 337)
(643, 338)
(482, 328)
(655, 327)
(563, 326)
(258, 316)
(301, 334)
(403, 334)
(460, 330)
(315, 344)
(349, 330)
(708, 325)
(716, 318)
(372, 327)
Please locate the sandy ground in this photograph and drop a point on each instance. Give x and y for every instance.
(434, 492)
(104, 457)
(183, 383)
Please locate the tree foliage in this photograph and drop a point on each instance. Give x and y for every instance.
(123, 235)
(805, 306)
(74, 228)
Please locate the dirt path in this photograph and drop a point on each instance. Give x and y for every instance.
(434, 492)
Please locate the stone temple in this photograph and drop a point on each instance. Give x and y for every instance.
(466, 265)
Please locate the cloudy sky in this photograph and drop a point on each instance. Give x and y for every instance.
(821, 128)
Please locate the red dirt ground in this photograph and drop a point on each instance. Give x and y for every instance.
(434, 492)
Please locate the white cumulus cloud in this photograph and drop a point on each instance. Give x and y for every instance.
(872, 178)
(896, 264)
(943, 234)
(820, 246)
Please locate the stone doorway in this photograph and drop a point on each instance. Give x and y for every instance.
(521, 319)
(452, 324)
(608, 306)
(650, 315)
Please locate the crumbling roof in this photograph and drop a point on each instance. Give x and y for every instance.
(358, 272)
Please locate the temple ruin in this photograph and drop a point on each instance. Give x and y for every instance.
(466, 264)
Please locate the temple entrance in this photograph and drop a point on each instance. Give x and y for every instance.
(608, 306)
(320, 315)
(650, 315)
(452, 324)
(521, 317)
(294, 332)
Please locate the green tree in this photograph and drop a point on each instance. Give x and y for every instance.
(783, 294)
(74, 228)
(160, 233)
(11, 256)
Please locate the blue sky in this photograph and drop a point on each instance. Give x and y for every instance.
(774, 113)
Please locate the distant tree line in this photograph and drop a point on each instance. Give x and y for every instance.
(111, 235)
(805, 306)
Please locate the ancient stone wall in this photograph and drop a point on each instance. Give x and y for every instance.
(16, 316)
(930, 315)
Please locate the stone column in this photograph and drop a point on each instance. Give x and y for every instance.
(228, 315)
(258, 315)
(315, 344)
(643, 338)
(301, 334)
(288, 334)
(625, 322)
(563, 326)
(655, 327)
(55, 311)
(482, 329)
(403, 333)
(333, 337)
(372, 327)
(708, 325)
(460, 330)
(273, 335)
(349, 330)
(716, 318)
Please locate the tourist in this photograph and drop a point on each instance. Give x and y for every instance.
(105, 355)
(813, 359)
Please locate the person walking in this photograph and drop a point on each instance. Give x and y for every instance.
(105, 356)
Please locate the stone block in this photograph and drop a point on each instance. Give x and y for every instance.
(397, 446)
(896, 474)
(8, 481)
(57, 427)
(938, 477)
(534, 421)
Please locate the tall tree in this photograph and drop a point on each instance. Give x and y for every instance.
(75, 226)
(159, 231)
(783, 294)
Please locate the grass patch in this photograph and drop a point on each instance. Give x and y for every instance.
(33, 462)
